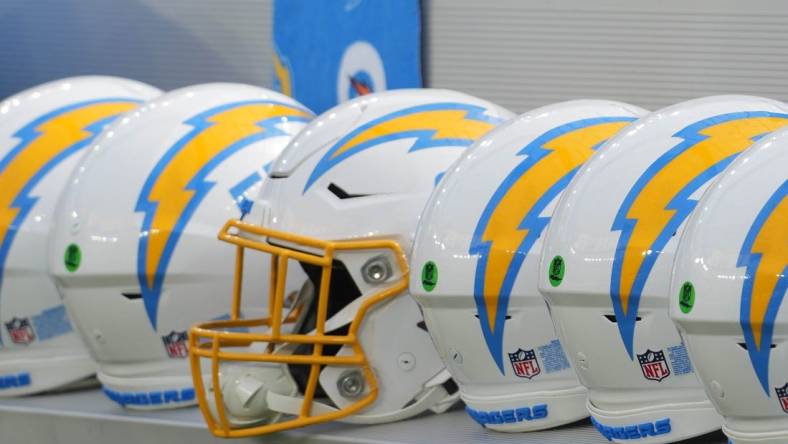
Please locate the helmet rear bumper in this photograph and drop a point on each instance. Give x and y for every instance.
(525, 412)
(661, 423)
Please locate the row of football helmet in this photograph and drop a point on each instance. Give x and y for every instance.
(582, 205)
(396, 253)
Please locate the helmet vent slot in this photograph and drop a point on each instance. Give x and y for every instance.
(132, 296)
(337, 191)
(476, 315)
(612, 318)
(743, 345)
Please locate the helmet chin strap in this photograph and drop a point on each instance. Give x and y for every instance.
(245, 391)
(450, 399)
(262, 394)
(429, 397)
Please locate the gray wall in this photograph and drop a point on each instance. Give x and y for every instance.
(519, 53)
(525, 53)
(168, 43)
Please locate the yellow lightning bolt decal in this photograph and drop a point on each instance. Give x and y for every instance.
(765, 254)
(443, 124)
(510, 223)
(659, 202)
(177, 184)
(432, 125)
(772, 245)
(282, 72)
(46, 142)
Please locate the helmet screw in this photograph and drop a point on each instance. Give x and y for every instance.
(350, 384)
(376, 270)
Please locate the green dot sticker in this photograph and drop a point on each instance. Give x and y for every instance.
(72, 258)
(687, 297)
(429, 276)
(556, 272)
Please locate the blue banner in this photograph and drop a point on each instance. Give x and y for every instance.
(329, 51)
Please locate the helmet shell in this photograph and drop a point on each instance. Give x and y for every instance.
(43, 133)
(144, 208)
(606, 264)
(480, 239)
(728, 290)
(364, 170)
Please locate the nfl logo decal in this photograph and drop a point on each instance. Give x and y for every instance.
(524, 363)
(654, 365)
(175, 344)
(782, 395)
(21, 331)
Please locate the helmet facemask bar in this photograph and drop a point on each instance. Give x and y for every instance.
(208, 340)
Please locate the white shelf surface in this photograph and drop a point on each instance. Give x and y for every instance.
(88, 417)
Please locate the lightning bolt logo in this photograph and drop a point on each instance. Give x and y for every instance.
(282, 74)
(177, 184)
(433, 125)
(765, 254)
(241, 191)
(659, 201)
(510, 223)
(43, 144)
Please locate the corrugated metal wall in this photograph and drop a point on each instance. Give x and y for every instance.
(168, 43)
(520, 53)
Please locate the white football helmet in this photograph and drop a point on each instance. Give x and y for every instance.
(606, 263)
(138, 225)
(43, 132)
(342, 202)
(729, 283)
(477, 251)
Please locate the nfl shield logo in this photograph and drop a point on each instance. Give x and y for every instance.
(782, 395)
(524, 363)
(175, 344)
(654, 365)
(21, 331)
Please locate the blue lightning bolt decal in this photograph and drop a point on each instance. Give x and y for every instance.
(240, 192)
(432, 125)
(177, 184)
(44, 144)
(765, 254)
(659, 202)
(510, 223)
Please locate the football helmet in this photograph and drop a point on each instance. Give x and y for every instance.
(476, 257)
(135, 253)
(607, 256)
(729, 283)
(43, 132)
(342, 202)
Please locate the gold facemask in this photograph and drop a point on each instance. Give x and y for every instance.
(211, 340)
